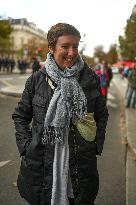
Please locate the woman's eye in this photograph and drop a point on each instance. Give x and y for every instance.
(65, 47)
(75, 47)
(68, 47)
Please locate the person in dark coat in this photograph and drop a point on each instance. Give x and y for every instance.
(35, 65)
(12, 64)
(60, 125)
(107, 67)
(131, 91)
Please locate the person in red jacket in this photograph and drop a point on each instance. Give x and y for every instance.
(104, 79)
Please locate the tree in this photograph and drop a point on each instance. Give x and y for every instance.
(128, 41)
(89, 60)
(112, 55)
(99, 53)
(5, 31)
(35, 48)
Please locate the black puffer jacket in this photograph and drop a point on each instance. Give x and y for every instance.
(36, 171)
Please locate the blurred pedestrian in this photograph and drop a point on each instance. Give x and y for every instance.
(107, 67)
(104, 79)
(126, 72)
(131, 91)
(35, 65)
(22, 65)
(121, 70)
(12, 64)
(6, 64)
(69, 118)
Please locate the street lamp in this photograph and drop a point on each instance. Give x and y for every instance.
(83, 46)
(25, 52)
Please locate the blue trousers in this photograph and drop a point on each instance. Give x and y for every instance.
(131, 97)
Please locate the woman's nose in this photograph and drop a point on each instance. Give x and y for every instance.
(72, 51)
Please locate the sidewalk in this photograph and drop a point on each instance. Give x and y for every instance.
(129, 133)
(130, 141)
(14, 90)
(130, 116)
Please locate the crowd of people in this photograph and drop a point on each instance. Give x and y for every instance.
(129, 73)
(8, 64)
(104, 71)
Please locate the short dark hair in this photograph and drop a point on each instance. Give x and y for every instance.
(60, 29)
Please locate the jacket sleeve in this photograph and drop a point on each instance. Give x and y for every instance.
(101, 118)
(22, 117)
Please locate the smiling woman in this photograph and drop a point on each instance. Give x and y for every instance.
(59, 164)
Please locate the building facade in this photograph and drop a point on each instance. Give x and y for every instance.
(26, 34)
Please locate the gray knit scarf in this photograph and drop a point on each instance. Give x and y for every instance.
(68, 100)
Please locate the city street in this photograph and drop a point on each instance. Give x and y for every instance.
(28, 45)
(11, 80)
(111, 164)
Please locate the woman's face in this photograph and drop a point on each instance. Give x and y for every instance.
(66, 51)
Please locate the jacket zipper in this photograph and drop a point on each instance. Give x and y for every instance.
(76, 166)
(43, 170)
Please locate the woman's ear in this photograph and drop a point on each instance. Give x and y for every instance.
(51, 50)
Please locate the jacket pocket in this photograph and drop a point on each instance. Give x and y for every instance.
(31, 170)
(39, 108)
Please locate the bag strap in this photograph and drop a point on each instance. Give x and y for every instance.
(35, 79)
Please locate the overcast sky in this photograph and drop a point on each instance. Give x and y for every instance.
(101, 20)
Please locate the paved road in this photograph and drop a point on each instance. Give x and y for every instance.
(111, 164)
(12, 80)
(113, 160)
(8, 154)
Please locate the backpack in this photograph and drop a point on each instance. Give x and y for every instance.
(103, 80)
